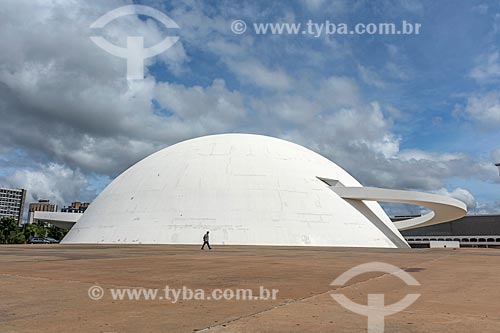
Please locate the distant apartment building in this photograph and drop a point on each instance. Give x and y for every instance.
(76, 207)
(12, 203)
(40, 206)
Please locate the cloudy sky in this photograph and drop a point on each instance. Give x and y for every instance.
(419, 112)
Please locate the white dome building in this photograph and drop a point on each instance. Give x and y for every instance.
(245, 189)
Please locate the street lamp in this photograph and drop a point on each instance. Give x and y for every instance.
(498, 165)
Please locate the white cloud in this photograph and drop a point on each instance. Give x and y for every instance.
(418, 155)
(314, 4)
(54, 182)
(370, 77)
(289, 108)
(397, 65)
(331, 7)
(488, 207)
(484, 109)
(72, 101)
(495, 154)
(211, 109)
(460, 194)
(397, 71)
(256, 73)
(487, 68)
(66, 102)
(394, 112)
(339, 91)
(481, 9)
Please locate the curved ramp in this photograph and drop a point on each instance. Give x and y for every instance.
(443, 209)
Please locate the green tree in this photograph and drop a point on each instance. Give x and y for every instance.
(56, 232)
(40, 230)
(29, 230)
(16, 237)
(7, 226)
(10, 232)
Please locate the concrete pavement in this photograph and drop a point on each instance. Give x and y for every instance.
(45, 288)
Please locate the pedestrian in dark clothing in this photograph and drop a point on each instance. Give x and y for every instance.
(205, 241)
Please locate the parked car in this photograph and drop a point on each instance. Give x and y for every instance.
(52, 240)
(38, 240)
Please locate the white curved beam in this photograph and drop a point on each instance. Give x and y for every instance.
(443, 209)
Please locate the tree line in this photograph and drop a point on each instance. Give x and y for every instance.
(12, 233)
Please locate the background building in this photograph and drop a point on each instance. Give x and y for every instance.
(40, 206)
(12, 203)
(76, 207)
(470, 230)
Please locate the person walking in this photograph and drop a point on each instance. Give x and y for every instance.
(205, 241)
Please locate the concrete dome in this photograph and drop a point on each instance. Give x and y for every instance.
(246, 189)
